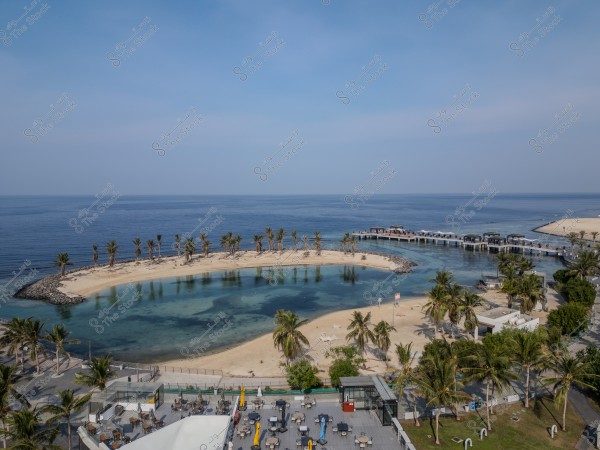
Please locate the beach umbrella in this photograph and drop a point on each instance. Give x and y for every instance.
(259, 393)
(322, 434)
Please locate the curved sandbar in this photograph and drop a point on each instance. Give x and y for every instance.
(565, 226)
(82, 283)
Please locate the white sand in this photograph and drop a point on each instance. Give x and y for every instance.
(565, 226)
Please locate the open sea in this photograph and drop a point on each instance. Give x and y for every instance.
(175, 317)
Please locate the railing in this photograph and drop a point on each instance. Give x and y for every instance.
(157, 368)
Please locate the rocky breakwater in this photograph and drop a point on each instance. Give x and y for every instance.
(47, 289)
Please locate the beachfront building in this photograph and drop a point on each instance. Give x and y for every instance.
(123, 396)
(496, 319)
(370, 393)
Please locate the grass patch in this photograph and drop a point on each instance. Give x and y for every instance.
(530, 432)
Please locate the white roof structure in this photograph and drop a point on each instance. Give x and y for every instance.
(191, 433)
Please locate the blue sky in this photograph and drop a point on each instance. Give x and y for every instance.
(120, 111)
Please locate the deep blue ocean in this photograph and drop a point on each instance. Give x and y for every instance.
(174, 317)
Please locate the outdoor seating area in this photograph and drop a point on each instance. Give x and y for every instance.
(326, 425)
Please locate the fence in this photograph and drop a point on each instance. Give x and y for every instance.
(157, 368)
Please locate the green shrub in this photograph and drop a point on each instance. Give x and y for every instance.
(562, 276)
(580, 291)
(570, 318)
(342, 368)
(303, 375)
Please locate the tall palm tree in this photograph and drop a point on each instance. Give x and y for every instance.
(178, 244)
(437, 381)
(270, 238)
(237, 242)
(8, 381)
(567, 370)
(15, 337)
(344, 242)
(203, 239)
(95, 253)
(586, 264)
(594, 234)
(69, 406)
(573, 239)
(137, 242)
(27, 431)
(158, 242)
(280, 235)
(318, 242)
(99, 373)
(224, 242)
(406, 357)
(437, 306)
(470, 301)
(382, 332)
(491, 366)
(151, 245)
(582, 234)
(359, 330)
(59, 336)
(443, 278)
(510, 284)
(62, 261)
(111, 249)
(258, 242)
(286, 336)
(34, 331)
(188, 248)
(531, 291)
(353, 244)
(294, 235)
(454, 301)
(529, 353)
(305, 242)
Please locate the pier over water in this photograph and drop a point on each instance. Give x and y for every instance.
(490, 242)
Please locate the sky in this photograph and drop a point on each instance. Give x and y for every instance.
(299, 96)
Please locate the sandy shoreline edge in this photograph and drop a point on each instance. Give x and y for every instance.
(568, 225)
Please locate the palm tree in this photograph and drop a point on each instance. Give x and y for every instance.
(594, 235)
(510, 285)
(206, 247)
(443, 278)
(294, 235)
(59, 337)
(286, 336)
(382, 337)
(437, 381)
(406, 356)
(360, 331)
(582, 234)
(280, 235)
(137, 242)
(353, 244)
(27, 432)
(62, 260)
(95, 255)
(573, 238)
(305, 242)
(177, 244)
(454, 301)
(15, 337)
(530, 290)
(344, 242)
(69, 406)
(237, 242)
(111, 249)
(99, 373)
(34, 330)
(528, 351)
(8, 381)
(567, 370)
(150, 244)
(437, 306)
(470, 301)
(258, 242)
(225, 242)
(491, 366)
(270, 237)
(158, 243)
(318, 242)
(189, 248)
(586, 264)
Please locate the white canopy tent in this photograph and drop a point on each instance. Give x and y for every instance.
(186, 434)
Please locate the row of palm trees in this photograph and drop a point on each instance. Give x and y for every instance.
(578, 238)
(517, 283)
(25, 428)
(29, 333)
(448, 298)
(445, 367)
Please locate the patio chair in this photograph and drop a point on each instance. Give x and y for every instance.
(334, 429)
(91, 428)
(370, 441)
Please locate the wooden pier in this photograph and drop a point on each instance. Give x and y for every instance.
(488, 242)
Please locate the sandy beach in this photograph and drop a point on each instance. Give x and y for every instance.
(89, 281)
(576, 224)
(261, 358)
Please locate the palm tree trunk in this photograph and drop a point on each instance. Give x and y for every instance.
(37, 362)
(415, 415)
(3, 435)
(69, 433)
(487, 405)
(437, 426)
(564, 421)
(527, 389)
(57, 362)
